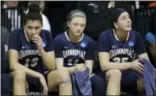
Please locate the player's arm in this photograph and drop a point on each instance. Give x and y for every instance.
(13, 53)
(48, 59)
(89, 64)
(106, 65)
(47, 53)
(59, 66)
(90, 55)
(59, 56)
(140, 48)
(104, 44)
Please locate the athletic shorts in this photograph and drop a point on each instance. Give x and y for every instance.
(128, 81)
(34, 83)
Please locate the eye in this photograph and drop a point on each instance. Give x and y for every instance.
(75, 24)
(36, 28)
(123, 18)
(30, 27)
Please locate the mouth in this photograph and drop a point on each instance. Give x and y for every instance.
(32, 36)
(78, 32)
(129, 26)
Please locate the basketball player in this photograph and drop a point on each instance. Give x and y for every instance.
(75, 51)
(119, 50)
(31, 55)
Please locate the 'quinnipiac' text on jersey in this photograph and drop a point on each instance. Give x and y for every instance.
(28, 53)
(74, 53)
(121, 51)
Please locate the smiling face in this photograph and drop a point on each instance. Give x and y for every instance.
(77, 25)
(124, 22)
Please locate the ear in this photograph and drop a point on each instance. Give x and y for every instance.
(68, 23)
(115, 25)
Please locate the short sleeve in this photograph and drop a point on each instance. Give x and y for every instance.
(104, 42)
(50, 43)
(58, 47)
(140, 46)
(14, 42)
(90, 52)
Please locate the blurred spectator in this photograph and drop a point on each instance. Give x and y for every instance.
(98, 18)
(152, 4)
(6, 79)
(11, 15)
(46, 24)
(10, 4)
(150, 39)
(4, 37)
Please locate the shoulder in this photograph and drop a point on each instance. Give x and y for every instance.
(135, 33)
(46, 34)
(136, 36)
(89, 39)
(106, 33)
(17, 32)
(59, 37)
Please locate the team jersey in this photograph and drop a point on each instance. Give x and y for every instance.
(28, 54)
(121, 51)
(74, 53)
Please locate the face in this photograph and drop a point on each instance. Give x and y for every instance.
(124, 22)
(77, 25)
(32, 27)
(41, 4)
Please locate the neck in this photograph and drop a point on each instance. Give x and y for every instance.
(74, 38)
(121, 35)
(27, 38)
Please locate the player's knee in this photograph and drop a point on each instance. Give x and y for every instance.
(63, 76)
(19, 76)
(113, 73)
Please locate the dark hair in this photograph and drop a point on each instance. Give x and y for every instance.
(74, 13)
(33, 13)
(115, 13)
(40, 3)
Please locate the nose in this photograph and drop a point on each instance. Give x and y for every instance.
(33, 31)
(78, 28)
(129, 20)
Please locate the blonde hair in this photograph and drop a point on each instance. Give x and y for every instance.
(76, 13)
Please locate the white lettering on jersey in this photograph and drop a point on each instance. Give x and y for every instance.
(24, 53)
(74, 52)
(123, 51)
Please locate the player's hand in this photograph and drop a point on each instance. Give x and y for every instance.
(37, 40)
(44, 85)
(80, 67)
(137, 66)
